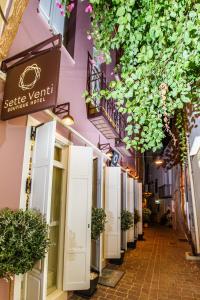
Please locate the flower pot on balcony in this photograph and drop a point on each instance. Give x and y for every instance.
(94, 278)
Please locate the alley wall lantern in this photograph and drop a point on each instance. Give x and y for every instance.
(158, 161)
(107, 147)
(63, 110)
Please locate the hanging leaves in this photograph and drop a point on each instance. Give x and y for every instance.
(159, 44)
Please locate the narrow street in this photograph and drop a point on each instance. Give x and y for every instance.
(99, 143)
(156, 270)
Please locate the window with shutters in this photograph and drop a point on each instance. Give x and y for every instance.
(60, 23)
(5, 7)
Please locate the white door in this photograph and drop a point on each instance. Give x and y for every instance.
(112, 245)
(130, 207)
(140, 227)
(78, 219)
(136, 206)
(42, 169)
(124, 207)
(96, 255)
(100, 204)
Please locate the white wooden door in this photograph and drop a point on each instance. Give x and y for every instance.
(42, 169)
(100, 204)
(112, 245)
(140, 227)
(78, 219)
(96, 255)
(130, 207)
(136, 206)
(124, 207)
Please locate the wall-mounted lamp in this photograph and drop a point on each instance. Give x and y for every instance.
(158, 161)
(128, 169)
(106, 146)
(157, 201)
(64, 110)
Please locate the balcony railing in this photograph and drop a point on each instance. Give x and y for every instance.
(165, 191)
(103, 113)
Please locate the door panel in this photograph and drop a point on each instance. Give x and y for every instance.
(78, 219)
(130, 207)
(42, 169)
(96, 254)
(136, 206)
(124, 207)
(112, 245)
(45, 8)
(139, 186)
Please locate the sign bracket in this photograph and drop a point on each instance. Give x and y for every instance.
(32, 52)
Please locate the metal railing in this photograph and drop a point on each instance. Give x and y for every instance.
(96, 81)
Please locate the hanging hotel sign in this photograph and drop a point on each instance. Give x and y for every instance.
(31, 83)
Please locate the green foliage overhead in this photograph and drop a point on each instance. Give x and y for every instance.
(126, 220)
(159, 67)
(98, 222)
(23, 241)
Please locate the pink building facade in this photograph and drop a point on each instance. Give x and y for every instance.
(72, 83)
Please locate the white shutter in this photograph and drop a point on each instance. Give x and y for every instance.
(124, 207)
(96, 255)
(130, 207)
(136, 206)
(112, 245)
(45, 8)
(57, 21)
(100, 204)
(78, 219)
(140, 227)
(42, 170)
(195, 204)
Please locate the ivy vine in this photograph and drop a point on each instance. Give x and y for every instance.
(159, 45)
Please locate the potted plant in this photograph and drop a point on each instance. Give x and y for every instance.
(97, 227)
(146, 212)
(23, 241)
(136, 220)
(126, 224)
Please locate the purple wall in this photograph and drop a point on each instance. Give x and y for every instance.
(73, 75)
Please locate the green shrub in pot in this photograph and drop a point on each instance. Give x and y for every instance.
(97, 227)
(146, 212)
(126, 220)
(23, 241)
(98, 222)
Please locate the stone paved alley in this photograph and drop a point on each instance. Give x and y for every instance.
(156, 270)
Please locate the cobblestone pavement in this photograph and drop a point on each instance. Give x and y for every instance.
(156, 270)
